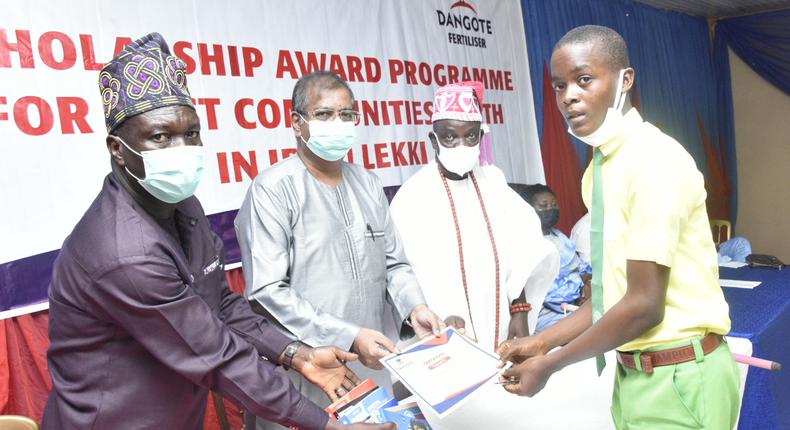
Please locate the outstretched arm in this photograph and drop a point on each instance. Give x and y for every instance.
(641, 309)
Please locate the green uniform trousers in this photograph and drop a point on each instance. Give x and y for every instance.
(697, 394)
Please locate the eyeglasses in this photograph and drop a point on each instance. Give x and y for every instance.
(450, 140)
(346, 115)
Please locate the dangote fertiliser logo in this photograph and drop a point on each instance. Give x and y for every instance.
(464, 25)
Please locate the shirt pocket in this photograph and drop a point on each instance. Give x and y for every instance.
(373, 247)
(374, 235)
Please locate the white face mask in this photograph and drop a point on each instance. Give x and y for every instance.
(612, 123)
(171, 174)
(460, 159)
(330, 140)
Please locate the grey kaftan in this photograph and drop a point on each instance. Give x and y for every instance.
(324, 261)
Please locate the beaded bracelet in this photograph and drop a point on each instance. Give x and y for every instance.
(520, 307)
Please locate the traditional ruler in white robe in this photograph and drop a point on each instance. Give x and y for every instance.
(422, 214)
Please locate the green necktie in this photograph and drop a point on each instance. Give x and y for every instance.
(596, 245)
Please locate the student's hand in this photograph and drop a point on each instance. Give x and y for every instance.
(518, 326)
(586, 290)
(518, 350)
(334, 425)
(456, 322)
(529, 377)
(424, 322)
(325, 367)
(371, 346)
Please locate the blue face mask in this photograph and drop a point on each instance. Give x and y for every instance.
(330, 140)
(171, 174)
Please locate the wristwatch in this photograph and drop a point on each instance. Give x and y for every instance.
(289, 353)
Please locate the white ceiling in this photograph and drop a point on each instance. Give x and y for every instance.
(718, 8)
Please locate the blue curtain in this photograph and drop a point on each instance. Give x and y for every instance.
(671, 54)
(762, 41)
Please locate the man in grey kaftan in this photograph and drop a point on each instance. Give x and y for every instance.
(323, 260)
(320, 253)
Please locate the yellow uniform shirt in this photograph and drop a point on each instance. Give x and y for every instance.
(654, 210)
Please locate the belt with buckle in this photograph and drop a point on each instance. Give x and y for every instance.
(682, 354)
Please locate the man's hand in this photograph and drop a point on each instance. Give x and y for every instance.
(325, 367)
(456, 322)
(425, 322)
(371, 347)
(334, 425)
(529, 377)
(518, 326)
(518, 350)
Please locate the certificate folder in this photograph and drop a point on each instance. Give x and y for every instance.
(367, 409)
(407, 416)
(368, 403)
(352, 397)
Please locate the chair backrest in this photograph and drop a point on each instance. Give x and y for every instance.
(17, 422)
(721, 229)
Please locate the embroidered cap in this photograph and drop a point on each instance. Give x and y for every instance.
(459, 101)
(144, 76)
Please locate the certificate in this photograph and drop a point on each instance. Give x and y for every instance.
(443, 371)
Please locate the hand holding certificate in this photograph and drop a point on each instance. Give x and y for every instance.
(444, 371)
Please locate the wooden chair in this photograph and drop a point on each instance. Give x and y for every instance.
(721, 230)
(17, 422)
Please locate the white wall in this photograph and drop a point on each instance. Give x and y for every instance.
(762, 133)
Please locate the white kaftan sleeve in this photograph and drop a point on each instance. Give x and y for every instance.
(403, 289)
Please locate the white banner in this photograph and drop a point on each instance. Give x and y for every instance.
(244, 58)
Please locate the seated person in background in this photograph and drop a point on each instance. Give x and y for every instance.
(735, 249)
(580, 235)
(572, 285)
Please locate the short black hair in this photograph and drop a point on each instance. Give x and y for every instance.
(320, 80)
(610, 40)
(528, 192)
